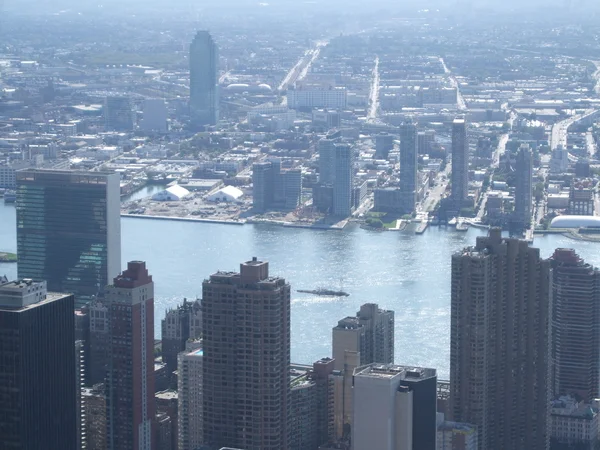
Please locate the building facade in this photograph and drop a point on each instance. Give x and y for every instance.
(370, 333)
(576, 326)
(460, 163)
(190, 391)
(394, 408)
(344, 181)
(524, 187)
(409, 153)
(273, 188)
(500, 339)
(69, 230)
(130, 382)
(326, 149)
(38, 384)
(204, 82)
(245, 368)
(574, 424)
(118, 113)
(180, 324)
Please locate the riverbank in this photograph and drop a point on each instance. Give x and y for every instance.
(8, 257)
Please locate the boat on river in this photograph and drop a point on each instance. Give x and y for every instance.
(324, 292)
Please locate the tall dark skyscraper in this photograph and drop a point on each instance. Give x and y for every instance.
(246, 361)
(343, 183)
(130, 383)
(460, 163)
(524, 188)
(500, 341)
(409, 153)
(69, 230)
(37, 368)
(118, 113)
(204, 82)
(576, 300)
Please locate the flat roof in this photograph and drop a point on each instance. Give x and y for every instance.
(50, 297)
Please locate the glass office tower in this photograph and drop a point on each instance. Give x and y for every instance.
(68, 230)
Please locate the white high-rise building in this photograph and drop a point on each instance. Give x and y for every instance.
(190, 399)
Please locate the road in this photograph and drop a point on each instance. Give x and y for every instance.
(299, 71)
(436, 192)
(374, 93)
(500, 149)
(560, 129)
(454, 82)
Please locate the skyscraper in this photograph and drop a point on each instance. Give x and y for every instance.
(204, 94)
(69, 230)
(326, 148)
(576, 344)
(394, 408)
(190, 392)
(245, 370)
(408, 166)
(37, 368)
(118, 113)
(500, 343)
(343, 183)
(180, 324)
(130, 399)
(370, 332)
(524, 188)
(384, 143)
(274, 188)
(155, 115)
(460, 163)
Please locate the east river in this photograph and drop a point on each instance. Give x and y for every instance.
(407, 273)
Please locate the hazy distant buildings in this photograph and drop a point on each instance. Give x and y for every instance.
(408, 166)
(576, 304)
(326, 149)
(581, 201)
(310, 98)
(37, 368)
(460, 163)
(384, 143)
(118, 113)
(500, 334)
(155, 115)
(274, 188)
(69, 230)
(343, 183)
(524, 187)
(190, 390)
(370, 332)
(245, 367)
(180, 324)
(130, 381)
(394, 408)
(204, 94)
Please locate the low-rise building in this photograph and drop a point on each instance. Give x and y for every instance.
(574, 424)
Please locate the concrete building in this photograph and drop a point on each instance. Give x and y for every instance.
(344, 181)
(408, 166)
(94, 417)
(204, 88)
(190, 431)
(180, 324)
(487, 350)
(69, 230)
(455, 435)
(99, 341)
(38, 407)
(581, 201)
(394, 408)
(310, 98)
(311, 406)
(274, 188)
(559, 161)
(118, 113)
(574, 424)
(576, 308)
(325, 119)
(524, 188)
(130, 381)
(248, 405)
(370, 333)
(460, 163)
(155, 115)
(167, 406)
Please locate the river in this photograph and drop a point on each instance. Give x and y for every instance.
(407, 273)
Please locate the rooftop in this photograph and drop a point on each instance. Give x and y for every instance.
(392, 370)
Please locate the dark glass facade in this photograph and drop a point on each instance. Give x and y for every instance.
(37, 375)
(68, 230)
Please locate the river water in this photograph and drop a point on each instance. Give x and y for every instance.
(407, 273)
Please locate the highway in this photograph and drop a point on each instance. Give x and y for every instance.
(459, 98)
(374, 93)
(299, 71)
(560, 129)
(500, 149)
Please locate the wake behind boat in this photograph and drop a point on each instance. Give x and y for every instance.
(324, 292)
